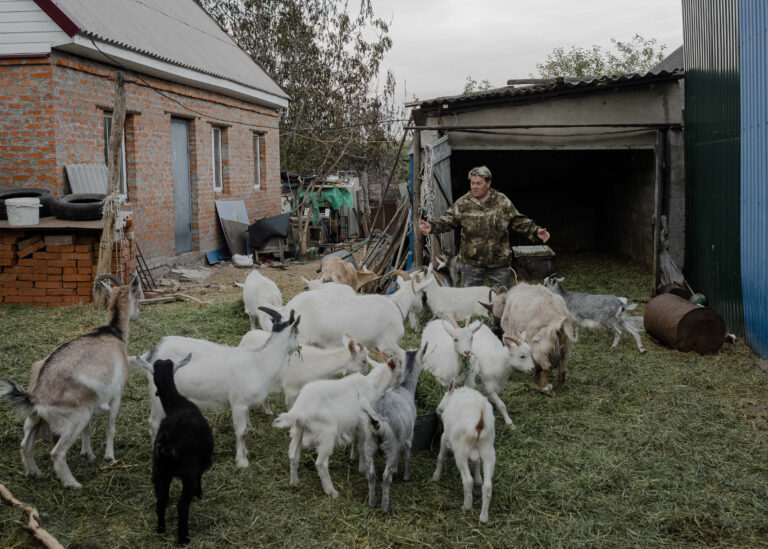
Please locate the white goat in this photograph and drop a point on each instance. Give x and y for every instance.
(221, 376)
(449, 344)
(543, 316)
(460, 303)
(77, 380)
(260, 291)
(597, 311)
(330, 412)
(376, 321)
(312, 363)
(494, 361)
(469, 431)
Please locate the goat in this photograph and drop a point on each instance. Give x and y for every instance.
(494, 361)
(597, 311)
(313, 363)
(321, 284)
(469, 431)
(543, 316)
(449, 345)
(221, 376)
(461, 303)
(329, 412)
(391, 429)
(375, 321)
(335, 269)
(258, 291)
(183, 445)
(77, 380)
(497, 298)
(447, 269)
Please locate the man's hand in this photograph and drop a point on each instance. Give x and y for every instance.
(426, 228)
(543, 235)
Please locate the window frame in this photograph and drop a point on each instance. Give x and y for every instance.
(258, 147)
(217, 166)
(107, 120)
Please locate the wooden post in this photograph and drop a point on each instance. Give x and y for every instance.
(418, 239)
(100, 297)
(657, 199)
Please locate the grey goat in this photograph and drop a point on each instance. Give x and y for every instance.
(391, 429)
(597, 311)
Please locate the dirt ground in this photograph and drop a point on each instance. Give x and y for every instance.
(220, 284)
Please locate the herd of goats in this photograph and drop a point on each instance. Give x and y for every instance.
(301, 349)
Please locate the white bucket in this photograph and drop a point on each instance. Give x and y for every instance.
(23, 211)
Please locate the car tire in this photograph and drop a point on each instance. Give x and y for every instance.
(45, 196)
(79, 207)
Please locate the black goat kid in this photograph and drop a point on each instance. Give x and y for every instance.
(183, 445)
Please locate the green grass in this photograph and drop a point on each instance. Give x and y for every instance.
(664, 449)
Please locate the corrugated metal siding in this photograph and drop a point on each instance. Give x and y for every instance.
(710, 31)
(754, 171)
(87, 178)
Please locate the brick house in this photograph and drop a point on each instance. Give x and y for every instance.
(202, 117)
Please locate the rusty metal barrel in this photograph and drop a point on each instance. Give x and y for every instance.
(683, 325)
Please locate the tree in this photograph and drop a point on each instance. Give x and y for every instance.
(637, 55)
(471, 85)
(328, 61)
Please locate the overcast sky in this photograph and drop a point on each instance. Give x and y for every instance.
(438, 43)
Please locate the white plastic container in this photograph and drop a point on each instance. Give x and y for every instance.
(23, 211)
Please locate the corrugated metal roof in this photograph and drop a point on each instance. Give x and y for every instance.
(176, 31)
(546, 89)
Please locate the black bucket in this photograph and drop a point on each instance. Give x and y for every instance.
(426, 432)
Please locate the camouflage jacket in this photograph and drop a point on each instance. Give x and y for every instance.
(485, 228)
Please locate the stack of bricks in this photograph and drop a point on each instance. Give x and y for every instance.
(48, 270)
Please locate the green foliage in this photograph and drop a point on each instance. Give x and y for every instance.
(637, 55)
(328, 61)
(472, 85)
(664, 449)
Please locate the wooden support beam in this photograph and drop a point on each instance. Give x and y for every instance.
(100, 297)
(418, 239)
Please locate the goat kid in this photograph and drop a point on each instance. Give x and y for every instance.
(312, 363)
(449, 344)
(468, 430)
(494, 361)
(330, 412)
(78, 379)
(597, 311)
(183, 445)
(391, 429)
(258, 291)
(220, 376)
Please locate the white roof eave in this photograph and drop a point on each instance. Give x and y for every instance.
(84, 46)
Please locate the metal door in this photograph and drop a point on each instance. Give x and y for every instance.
(182, 188)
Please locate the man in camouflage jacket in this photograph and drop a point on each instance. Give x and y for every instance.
(484, 216)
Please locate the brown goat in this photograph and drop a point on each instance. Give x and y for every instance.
(335, 269)
(78, 379)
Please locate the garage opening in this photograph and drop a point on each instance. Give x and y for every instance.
(590, 200)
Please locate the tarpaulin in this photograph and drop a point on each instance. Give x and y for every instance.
(262, 229)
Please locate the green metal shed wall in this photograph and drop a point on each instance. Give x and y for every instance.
(712, 139)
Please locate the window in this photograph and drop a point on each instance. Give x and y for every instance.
(218, 183)
(258, 159)
(107, 132)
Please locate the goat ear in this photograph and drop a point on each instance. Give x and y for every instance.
(560, 279)
(144, 364)
(183, 362)
(523, 335)
(400, 281)
(475, 326)
(135, 283)
(450, 386)
(304, 280)
(392, 364)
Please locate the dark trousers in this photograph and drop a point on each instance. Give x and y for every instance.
(475, 276)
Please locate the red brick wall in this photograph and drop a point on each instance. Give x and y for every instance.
(56, 118)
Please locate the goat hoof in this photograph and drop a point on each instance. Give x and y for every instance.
(242, 463)
(511, 426)
(334, 494)
(74, 485)
(89, 457)
(35, 473)
(642, 351)
(435, 478)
